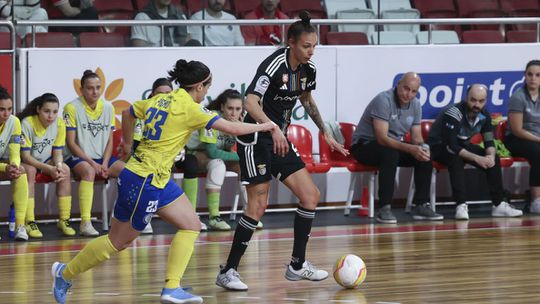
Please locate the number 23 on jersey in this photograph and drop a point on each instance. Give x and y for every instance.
(154, 122)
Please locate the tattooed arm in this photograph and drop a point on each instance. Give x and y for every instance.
(311, 108)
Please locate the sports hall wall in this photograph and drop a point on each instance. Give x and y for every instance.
(347, 79)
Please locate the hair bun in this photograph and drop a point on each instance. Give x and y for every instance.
(305, 16)
(181, 65)
(87, 72)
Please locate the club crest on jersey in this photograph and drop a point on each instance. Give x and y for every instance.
(285, 78)
(262, 84)
(147, 218)
(262, 169)
(303, 82)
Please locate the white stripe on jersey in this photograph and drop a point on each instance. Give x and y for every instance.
(312, 64)
(274, 65)
(455, 113)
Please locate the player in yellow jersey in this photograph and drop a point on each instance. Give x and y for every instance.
(44, 140)
(10, 161)
(145, 186)
(89, 139)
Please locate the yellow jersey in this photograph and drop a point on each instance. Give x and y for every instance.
(40, 140)
(168, 121)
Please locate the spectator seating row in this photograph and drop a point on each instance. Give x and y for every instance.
(86, 39)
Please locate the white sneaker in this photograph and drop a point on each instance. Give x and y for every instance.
(260, 225)
(230, 280)
(204, 228)
(462, 212)
(20, 233)
(307, 272)
(86, 229)
(148, 229)
(535, 206)
(505, 210)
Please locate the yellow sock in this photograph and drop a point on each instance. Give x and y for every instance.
(179, 256)
(86, 196)
(94, 253)
(64, 207)
(20, 198)
(30, 206)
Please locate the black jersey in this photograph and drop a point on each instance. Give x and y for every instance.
(279, 88)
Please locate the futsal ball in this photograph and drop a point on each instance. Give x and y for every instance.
(350, 271)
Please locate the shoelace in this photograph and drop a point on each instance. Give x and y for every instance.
(33, 226)
(66, 222)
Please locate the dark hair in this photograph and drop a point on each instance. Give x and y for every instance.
(301, 26)
(531, 63)
(4, 94)
(87, 75)
(188, 74)
(38, 102)
(216, 104)
(160, 82)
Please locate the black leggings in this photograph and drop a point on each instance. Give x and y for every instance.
(456, 170)
(188, 165)
(387, 160)
(529, 150)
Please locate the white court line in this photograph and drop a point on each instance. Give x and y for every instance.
(295, 299)
(13, 292)
(107, 294)
(249, 298)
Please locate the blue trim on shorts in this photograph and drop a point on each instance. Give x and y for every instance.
(138, 199)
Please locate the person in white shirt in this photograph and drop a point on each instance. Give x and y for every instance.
(216, 35)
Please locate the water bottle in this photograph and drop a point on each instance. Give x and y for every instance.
(11, 221)
(425, 147)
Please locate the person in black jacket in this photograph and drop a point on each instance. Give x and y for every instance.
(450, 142)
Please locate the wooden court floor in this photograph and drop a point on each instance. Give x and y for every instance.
(480, 261)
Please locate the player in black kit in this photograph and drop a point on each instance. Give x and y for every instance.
(282, 78)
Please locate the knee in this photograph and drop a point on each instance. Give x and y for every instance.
(67, 170)
(216, 174)
(311, 199)
(121, 244)
(389, 156)
(87, 173)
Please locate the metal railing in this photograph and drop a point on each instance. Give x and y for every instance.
(283, 23)
(11, 51)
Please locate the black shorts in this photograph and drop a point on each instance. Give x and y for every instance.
(258, 163)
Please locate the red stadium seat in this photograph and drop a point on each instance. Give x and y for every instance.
(426, 6)
(482, 37)
(467, 7)
(521, 36)
(114, 5)
(139, 4)
(510, 6)
(102, 40)
(124, 30)
(487, 14)
(301, 138)
(336, 159)
(346, 38)
(525, 13)
(5, 40)
(51, 40)
(442, 27)
(293, 7)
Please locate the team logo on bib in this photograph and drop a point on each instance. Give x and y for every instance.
(303, 82)
(262, 169)
(262, 84)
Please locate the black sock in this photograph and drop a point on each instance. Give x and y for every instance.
(302, 228)
(242, 235)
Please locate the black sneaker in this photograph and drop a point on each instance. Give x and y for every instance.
(424, 212)
(385, 216)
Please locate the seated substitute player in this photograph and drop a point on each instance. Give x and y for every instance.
(42, 151)
(213, 150)
(281, 79)
(449, 139)
(89, 138)
(145, 186)
(378, 141)
(10, 162)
